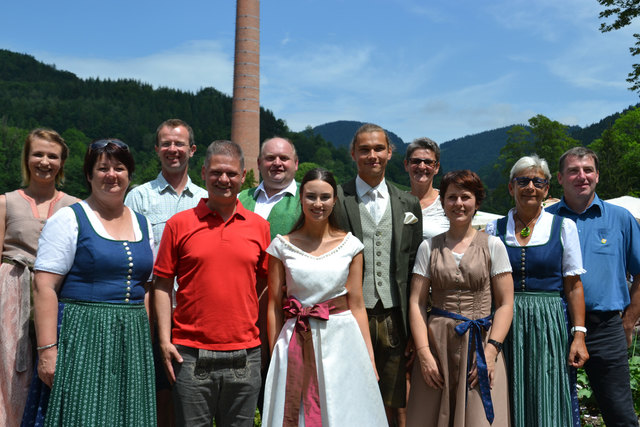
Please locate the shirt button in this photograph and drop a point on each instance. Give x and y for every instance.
(128, 252)
(130, 259)
(126, 300)
(128, 288)
(130, 270)
(378, 243)
(378, 263)
(378, 274)
(128, 294)
(378, 253)
(130, 264)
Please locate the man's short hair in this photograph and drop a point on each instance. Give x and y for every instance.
(578, 152)
(423, 143)
(224, 148)
(293, 147)
(368, 128)
(172, 124)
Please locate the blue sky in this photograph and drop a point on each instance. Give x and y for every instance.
(441, 68)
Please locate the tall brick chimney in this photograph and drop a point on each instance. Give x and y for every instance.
(245, 116)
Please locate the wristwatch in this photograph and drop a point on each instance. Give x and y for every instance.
(496, 344)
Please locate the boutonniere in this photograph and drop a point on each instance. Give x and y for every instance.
(409, 218)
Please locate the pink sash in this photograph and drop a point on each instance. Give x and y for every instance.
(302, 359)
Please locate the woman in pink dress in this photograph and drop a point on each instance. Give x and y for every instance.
(23, 213)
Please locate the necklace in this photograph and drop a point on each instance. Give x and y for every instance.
(526, 231)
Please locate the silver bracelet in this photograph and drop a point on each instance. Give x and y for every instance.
(44, 347)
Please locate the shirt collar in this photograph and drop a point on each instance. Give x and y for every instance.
(363, 188)
(164, 185)
(202, 210)
(596, 203)
(292, 188)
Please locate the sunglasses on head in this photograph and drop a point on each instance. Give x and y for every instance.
(101, 143)
(523, 181)
(428, 162)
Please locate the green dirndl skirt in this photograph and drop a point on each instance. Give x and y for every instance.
(104, 371)
(543, 385)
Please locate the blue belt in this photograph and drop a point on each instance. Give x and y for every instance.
(475, 334)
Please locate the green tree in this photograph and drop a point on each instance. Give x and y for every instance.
(624, 11)
(547, 138)
(303, 168)
(619, 154)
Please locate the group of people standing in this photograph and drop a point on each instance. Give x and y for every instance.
(318, 303)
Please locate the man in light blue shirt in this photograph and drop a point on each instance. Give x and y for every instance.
(610, 243)
(158, 200)
(172, 191)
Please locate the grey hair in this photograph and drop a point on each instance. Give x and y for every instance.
(530, 162)
(425, 144)
(224, 148)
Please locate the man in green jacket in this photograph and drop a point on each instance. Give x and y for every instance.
(276, 199)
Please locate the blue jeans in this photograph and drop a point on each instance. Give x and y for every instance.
(220, 385)
(608, 368)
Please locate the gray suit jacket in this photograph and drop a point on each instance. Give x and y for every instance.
(406, 237)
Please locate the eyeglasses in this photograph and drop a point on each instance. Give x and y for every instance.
(523, 181)
(101, 143)
(428, 162)
(168, 144)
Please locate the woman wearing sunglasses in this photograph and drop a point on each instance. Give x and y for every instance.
(546, 342)
(422, 163)
(94, 261)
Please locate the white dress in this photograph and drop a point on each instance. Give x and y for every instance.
(348, 390)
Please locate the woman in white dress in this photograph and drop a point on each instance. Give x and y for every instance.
(322, 369)
(422, 163)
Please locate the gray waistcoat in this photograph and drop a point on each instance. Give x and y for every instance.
(378, 271)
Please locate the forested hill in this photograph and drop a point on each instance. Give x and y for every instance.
(33, 94)
(340, 133)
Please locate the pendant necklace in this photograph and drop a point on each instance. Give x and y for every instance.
(526, 231)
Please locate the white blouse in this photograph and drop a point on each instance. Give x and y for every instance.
(59, 237)
(498, 253)
(571, 255)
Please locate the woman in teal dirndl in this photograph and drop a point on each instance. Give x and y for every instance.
(93, 264)
(546, 342)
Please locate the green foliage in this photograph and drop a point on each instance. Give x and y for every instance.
(249, 180)
(624, 11)
(619, 153)
(547, 138)
(303, 168)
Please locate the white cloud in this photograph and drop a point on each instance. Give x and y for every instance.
(190, 67)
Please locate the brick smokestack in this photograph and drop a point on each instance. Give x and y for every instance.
(245, 116)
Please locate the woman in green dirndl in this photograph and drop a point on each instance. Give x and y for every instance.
(546, 342)
(94, 261)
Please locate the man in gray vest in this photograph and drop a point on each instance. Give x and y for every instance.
(389, 223)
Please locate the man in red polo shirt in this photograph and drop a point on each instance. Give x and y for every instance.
(217, 253)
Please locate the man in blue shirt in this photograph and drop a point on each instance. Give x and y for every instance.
(610, 243)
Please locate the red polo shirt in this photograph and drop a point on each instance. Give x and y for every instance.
(216, 264)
